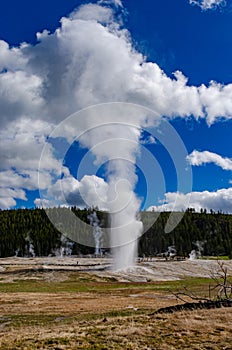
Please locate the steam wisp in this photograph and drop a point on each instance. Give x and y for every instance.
(97, 232)
(196, 253)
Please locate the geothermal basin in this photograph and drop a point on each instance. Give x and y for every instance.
(146, 270)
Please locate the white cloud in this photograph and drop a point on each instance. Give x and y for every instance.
(27, 179)
(89, 191)
(19, 95)
(198, 158)
(111, 2)
(208, 4)
(12, 58)
(216, 99)
(22, 144)
(90, 59)
(11, 192)
(7, 202)
(219, 200)
(150, 140)
(8, 196)
(93, 12)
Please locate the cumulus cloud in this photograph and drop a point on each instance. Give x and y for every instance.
(198, 158)
(216, 99)
(219, 200)
(8, 196)
(22, 143)
(89, 191)
(208, 4)
(7, 202)
(93, 12)
(27, 179)
(150, 140)
(111, 2)
(90, 59)
(19, 95)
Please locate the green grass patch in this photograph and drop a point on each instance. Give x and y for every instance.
(43, 320)
(78, 285)
(223, 257)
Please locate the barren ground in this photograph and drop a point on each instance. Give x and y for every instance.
(55, 303)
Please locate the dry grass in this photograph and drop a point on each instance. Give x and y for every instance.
(204, 329)
(67, 310)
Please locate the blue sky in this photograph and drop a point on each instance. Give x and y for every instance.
(173, 34)
(48, 79)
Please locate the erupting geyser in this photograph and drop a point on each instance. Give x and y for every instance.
(112, 133)
(113, 137)
(124, 206)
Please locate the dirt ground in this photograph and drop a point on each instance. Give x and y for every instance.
(55, 303)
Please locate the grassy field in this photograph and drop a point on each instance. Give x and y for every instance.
(79, 310)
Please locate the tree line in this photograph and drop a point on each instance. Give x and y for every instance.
(28, 232)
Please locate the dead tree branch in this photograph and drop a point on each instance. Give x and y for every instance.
(222, 288)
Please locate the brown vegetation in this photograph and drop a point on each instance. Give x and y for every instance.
(78, 310)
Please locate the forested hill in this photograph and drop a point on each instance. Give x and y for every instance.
(29, 232)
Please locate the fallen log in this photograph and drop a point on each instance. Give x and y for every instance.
(211, 304)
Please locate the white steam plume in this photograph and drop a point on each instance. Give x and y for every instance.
(118, 148)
